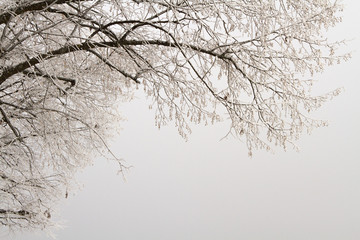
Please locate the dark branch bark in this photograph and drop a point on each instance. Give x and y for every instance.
(20, 212)
(8, 122)
(5, 17)
(10, 71)
(36, 73)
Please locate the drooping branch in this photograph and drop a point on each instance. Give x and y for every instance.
(10, 71)
(112, 66)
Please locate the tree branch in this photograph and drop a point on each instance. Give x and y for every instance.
(10, 71)
(36, 73)
(5, 17)
(7, 120)
(107, 62)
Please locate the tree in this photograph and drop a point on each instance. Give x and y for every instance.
(65, 63)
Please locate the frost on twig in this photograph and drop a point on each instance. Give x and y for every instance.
(64, 64)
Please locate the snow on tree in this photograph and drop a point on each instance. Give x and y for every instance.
(66, 63)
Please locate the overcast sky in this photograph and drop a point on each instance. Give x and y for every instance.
(207, 189)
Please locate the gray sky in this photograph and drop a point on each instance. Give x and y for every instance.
(209, 189)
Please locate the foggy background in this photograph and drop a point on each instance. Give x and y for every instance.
(209, 189)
